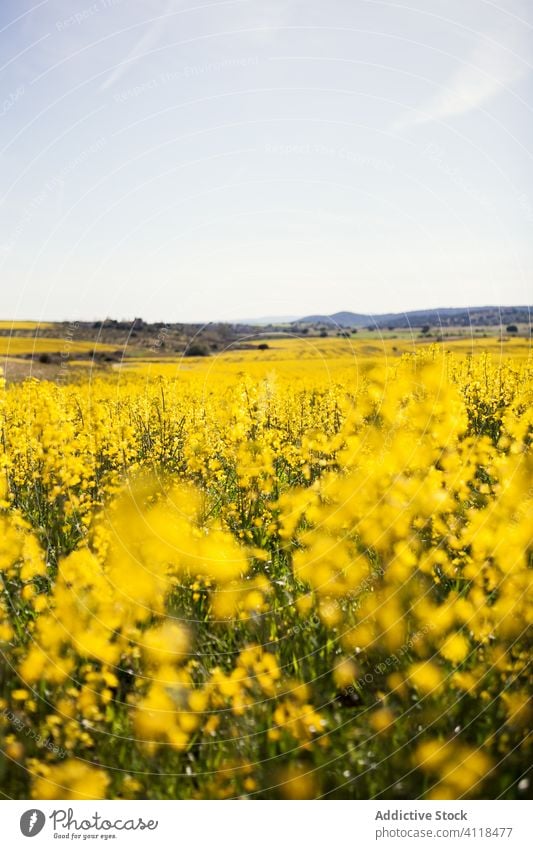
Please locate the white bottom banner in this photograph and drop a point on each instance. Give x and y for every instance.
(264, 825)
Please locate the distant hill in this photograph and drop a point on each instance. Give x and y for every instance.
(445, 317)
(268, 319)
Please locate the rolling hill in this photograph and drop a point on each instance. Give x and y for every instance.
(445, 317)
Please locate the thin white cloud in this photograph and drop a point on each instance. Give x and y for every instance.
(150, 37)
(492, 68)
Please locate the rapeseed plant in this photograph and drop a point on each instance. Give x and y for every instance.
(269, 587)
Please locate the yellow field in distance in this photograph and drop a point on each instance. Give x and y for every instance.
(325, 358)
(14, 346)
(24, 325)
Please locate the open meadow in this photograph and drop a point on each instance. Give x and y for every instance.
(301, 571)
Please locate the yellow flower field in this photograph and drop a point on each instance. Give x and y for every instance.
(293, 573)
(11, 326)
(16, 346)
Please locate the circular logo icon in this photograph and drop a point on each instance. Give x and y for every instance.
(32, 822)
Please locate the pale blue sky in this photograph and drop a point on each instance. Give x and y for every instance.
(190, 160)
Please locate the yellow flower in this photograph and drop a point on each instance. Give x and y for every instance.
(20, 695)
(426, 677)
(455, 648)
(382, 719)
(71, 780)
(344, 672)
(299, 782)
